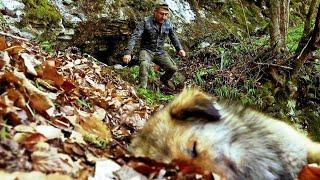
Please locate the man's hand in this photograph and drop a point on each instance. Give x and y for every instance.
(126, 58)
(182, 53)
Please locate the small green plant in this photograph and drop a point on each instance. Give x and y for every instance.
(225, 59)
(293, 37)
(84, 103)
(261, 41)
(153, 97)
(130, 74)
(47, 46)
(197, 77)
(246, 93)
(96, 140)
(227, 92)
(4, 133)
(200, 73)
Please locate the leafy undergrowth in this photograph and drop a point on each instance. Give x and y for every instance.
(240, 71)
(66, 116)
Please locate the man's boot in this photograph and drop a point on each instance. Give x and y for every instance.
(167, 83)
(143, 82)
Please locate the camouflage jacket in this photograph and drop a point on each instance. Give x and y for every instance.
(153, 36)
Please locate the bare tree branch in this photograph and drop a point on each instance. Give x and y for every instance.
(311, 46)
(274, 65)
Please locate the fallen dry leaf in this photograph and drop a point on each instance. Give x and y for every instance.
(99, 113)
(3, 43)
(16, 115)
(30, 63)
(32, 176)
(90, 124)
(4, 59)
(38, 98)
(127, 172)
(42, 91)
(33, 139)
(73, 148)
(105, 169)
(17, 97)
(24, 128)
(47, 159)
(40, 103)
(14, 50)
(68, 86)
(13, 156)
(50, 73)
(49, 132)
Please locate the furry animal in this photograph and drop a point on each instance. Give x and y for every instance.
(227, 139)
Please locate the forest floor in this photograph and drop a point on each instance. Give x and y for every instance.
(68, 116)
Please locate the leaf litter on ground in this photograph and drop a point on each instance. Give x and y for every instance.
(66, 116)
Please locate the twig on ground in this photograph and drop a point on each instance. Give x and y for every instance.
(13, 36)
(274, 65)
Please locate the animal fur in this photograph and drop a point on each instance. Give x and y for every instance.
(227, 139)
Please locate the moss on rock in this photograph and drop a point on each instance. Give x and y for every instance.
(41, 12)
(2, 23)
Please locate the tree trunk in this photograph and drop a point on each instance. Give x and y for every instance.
(279, 19)
(312, 45)
(275, 34)
(284, 19)
(307, 24)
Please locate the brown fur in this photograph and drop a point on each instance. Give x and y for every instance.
(227, 139)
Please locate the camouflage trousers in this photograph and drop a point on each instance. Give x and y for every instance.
(164, 61)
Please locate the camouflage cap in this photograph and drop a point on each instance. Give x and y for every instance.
(161, 4)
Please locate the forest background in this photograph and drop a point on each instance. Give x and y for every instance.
(261, 53)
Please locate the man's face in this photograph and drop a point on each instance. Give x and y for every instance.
(160, 15)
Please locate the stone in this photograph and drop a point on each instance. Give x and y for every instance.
(69, 31)
(68, 2)
(65, 37)
(12, 5)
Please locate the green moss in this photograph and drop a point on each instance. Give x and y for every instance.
(2, 22)
(41, 11)
(153, 97)
(241, 18)
(96, 141)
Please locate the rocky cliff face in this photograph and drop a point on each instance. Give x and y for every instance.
(102, 27)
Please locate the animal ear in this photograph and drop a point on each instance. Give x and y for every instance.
(196, 105)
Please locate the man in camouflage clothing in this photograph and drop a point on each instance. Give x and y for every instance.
(153, 32)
